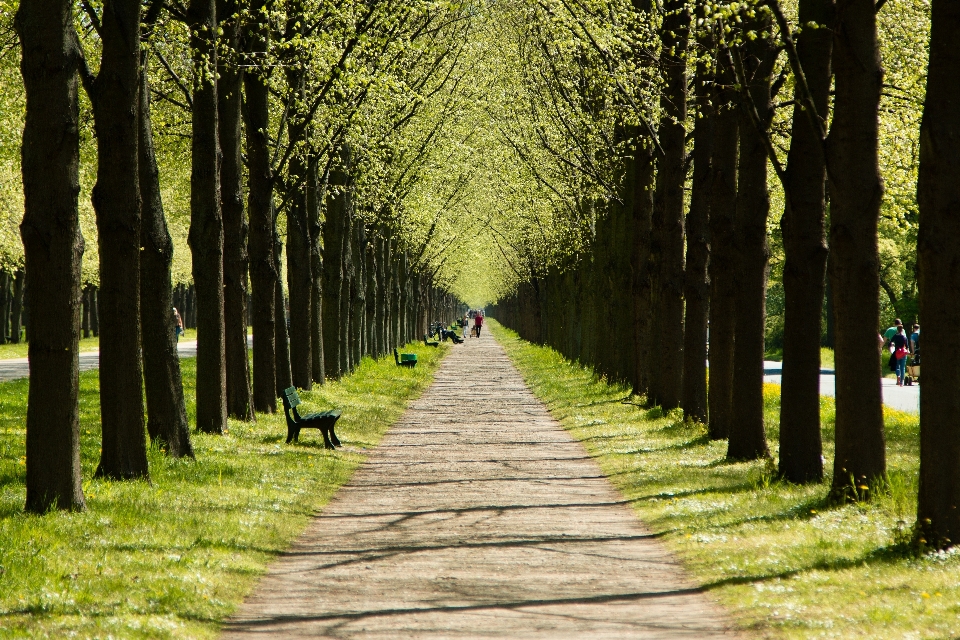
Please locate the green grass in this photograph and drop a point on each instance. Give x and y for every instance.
(175, 557)
(784, 561)
(8, 351)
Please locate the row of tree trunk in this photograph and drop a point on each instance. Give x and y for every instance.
(585, 309)
(668, 306)
(364, 295)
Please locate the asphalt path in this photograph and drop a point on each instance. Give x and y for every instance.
(16, 368)
(901, 398)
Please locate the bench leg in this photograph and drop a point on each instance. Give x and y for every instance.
(291, 434)
(334, 438)
(326, 438)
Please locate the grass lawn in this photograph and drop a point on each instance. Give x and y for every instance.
(175, 557)
(92, 343)
(782, 560)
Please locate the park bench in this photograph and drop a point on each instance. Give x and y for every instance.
(405, 359)
(430, 343)
(323, 420)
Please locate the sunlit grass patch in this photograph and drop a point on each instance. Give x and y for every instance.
(780, 557)
(175, 557)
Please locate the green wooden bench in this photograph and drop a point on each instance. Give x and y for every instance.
(430, 343)
(405, 359)
(324, 420)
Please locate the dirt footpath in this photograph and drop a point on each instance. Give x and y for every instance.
(478, 516)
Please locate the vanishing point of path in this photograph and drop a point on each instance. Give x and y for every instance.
(477, 516)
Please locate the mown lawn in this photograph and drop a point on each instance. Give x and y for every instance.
(784, 561)
(174, 557)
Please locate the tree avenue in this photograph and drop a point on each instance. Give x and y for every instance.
(645, 187)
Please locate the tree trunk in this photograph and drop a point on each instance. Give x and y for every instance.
(85, 312)
(284, 375)
(263, 266)
(347, 292)
(94, 311)
(370, 318)
(4, 307)
(17, 320)
(206, 223)
(938, 514)
(697, 280)
(299, 279)
(747, 435)
(723, 286)
(804, 242)
(166, 409)
(116, 200)
(667, 249)
(358, 295)
(235, 227)
(314, 198)
(856, 191)
(53, 247)
(333, 276)
(640, 172)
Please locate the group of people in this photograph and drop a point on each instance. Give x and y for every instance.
(477, 317)
(900, 345)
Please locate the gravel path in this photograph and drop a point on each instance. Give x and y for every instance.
(478, 516)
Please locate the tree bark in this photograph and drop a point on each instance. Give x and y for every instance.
(17, 320)
(641, 169)
(723, 255)
(299, 279)
(358, 295)
(938, 512)
(856, 191)
(333, 276)
(697, 280)
(747, 435)
(166, 409)
(314, 198)
(284, 375)
(263, 266)
(804, 242)
(206, 223)
(85, 311)
(95, 311)
(235, 226)
(114, 96)
(53, 247)
(667, 248)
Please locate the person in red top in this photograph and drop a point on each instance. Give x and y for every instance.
(478, 323)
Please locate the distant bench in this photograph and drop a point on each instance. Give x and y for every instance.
(323, 420)
(405, 359)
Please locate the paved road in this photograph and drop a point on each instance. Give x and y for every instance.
(902, 398)
(16, 368)
(478, 516)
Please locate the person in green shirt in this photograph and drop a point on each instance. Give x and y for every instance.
(892, 331)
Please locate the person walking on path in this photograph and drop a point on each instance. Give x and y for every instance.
(892, 331)
(900, 350)
(465, 323)
(478, 323)
(177, 324)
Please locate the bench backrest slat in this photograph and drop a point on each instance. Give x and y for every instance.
(293, 398)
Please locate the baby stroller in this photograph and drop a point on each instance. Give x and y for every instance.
(913, 370)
